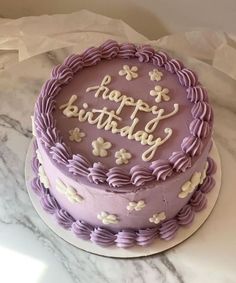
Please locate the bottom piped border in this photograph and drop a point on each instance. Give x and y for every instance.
(125, 238)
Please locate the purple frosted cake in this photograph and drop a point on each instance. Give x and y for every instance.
(122, 137)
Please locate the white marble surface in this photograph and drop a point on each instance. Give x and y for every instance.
(30, 252)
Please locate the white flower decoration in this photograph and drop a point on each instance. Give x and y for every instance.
(76, 135)
(203, 176)
(136, 205)
(100, 147)
(39, 156)
(43, 177)
(72, 195)
(60, 186)
(157, 217)
(107, 218)
(129, 73)
(160, 93)
(122, 156)
(189, 186)
(155, 75)
(33, 126)
(68, 191)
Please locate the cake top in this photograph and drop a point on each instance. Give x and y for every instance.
(123, 114)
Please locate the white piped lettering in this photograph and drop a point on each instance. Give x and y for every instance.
(109, 119)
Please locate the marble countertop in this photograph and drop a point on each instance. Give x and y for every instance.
(30, 252)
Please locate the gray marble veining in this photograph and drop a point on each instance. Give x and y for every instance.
(22, 230)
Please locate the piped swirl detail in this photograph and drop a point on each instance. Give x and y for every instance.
(140, 175)
(161, 169)
(180, 161)
(145, 53)
(192, 145)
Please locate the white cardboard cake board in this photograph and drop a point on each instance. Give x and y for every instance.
(156, 247)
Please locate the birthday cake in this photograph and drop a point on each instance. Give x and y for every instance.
(122, 138)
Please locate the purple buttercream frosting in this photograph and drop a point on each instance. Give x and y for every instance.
(35, 164)
(168, 229)
(50, 137)
(61, 153)
(127, 50)
(173, 66)
(44, 121)
(185, 215)
(125, 239)
(192, 145)
(187, 77)
(207, 185)
(49, 203)
(81, 229)
(35, 147)
(91, 56)
(117, 177)
(62, 73)
(74, 62)
(64, 218)
(109, 49)
(45, 104)
(146, 236)
(202, 110)
(198, 201)
(79, 165)
(38, 187)
(140, 175)
(97, 173)
(159, 59)
(199, 128)
(51, 88)
(161, 169)
(145, 53)
(211, 169)
(196, 93)
(180, 161)
(102, 237)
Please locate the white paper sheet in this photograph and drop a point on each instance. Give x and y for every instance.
(207, 51)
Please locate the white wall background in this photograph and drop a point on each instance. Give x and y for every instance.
(153, 18)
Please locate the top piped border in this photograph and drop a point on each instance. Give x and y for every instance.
(115, 177)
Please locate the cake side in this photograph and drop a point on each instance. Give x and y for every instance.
(131, 210)
(166, 230)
